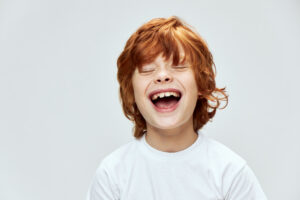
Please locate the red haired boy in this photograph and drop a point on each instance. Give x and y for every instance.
(167, 88)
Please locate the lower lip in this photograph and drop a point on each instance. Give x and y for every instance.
(165, 110)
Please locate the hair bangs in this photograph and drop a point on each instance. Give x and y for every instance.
(163, 42)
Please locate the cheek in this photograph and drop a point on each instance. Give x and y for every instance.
(190, 83)
(139, 98)
(135, 93)
(138, 90)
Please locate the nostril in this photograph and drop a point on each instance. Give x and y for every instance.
(166, 79)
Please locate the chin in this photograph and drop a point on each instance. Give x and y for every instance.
(166, 124)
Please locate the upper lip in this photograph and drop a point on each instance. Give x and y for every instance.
(163, 90)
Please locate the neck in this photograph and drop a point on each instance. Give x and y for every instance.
(171, 140)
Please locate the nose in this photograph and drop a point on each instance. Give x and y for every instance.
(163, 77)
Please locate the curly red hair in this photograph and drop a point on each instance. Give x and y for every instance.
(161, 35)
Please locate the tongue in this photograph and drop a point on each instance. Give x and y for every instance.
(166, 102)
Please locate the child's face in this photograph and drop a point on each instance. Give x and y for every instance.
(167, 113)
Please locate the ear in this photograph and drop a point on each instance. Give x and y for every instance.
(199, 95)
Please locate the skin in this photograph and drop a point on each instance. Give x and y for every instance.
(171, 131)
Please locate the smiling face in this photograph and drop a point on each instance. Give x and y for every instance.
(170, 36)
(165, 95)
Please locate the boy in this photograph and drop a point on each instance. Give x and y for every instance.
(167, 88)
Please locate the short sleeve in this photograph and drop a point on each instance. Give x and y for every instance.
(102, 187)
(245, 186)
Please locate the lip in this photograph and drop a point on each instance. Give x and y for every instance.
(164, 110)
(163, 90)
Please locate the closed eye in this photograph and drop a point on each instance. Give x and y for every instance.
(146, 71)
(180, 67)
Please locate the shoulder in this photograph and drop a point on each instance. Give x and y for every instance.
(105, 181)
(231, 173)
(120, 155)
(225, 166)
(220, 154)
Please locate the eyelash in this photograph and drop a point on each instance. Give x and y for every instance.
(174, 67)
(180, 67)
(146, 71)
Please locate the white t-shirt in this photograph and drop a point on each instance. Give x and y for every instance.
(206, 170)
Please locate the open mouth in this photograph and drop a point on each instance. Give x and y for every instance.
(166, 100)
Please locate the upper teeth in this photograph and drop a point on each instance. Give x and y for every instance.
(165, 94)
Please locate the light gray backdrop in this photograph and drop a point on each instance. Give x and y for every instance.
(59, 107)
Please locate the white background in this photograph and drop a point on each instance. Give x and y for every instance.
(59, 107)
